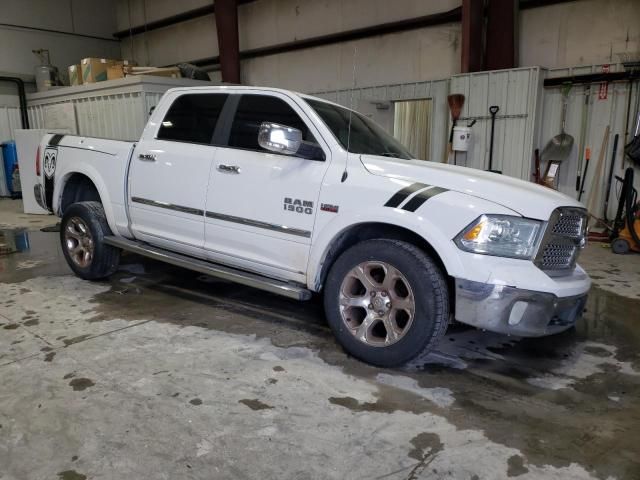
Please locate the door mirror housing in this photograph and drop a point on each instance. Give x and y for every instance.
(279, 138)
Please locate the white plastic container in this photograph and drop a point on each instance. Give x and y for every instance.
(461, 139)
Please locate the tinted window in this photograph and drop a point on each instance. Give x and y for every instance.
(255, 109)
(192, 118)
(367, 137)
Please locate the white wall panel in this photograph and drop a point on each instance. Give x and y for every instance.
(516, 92)
(584, 32)
(86, 17)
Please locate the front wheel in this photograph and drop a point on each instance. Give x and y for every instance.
(82, 233)
(387, 302)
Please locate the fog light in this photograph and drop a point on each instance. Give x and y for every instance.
(517, 312)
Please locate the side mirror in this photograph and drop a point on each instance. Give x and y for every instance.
(279, 138)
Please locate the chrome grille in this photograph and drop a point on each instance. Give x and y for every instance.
(569, 225)
(563, 240)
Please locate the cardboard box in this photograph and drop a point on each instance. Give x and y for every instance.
(95, 69)
(75, 74)
(117, 70)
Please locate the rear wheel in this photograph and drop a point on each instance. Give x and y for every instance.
(387, 302)
(82, 233)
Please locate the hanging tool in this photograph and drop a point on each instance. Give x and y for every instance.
(626, 118)
(536, 174)
(598, 174)
(559, 147)
(583, 134)
(456, 102)
(632, 149)
(493, 111)
(613, 162)
(587, 157)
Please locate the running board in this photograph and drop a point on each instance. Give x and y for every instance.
(220, 271)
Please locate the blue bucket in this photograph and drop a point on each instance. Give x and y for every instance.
(10, 156)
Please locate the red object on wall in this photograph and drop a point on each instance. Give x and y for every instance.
(603, 91)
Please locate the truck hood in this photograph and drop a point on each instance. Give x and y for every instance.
(525, 198)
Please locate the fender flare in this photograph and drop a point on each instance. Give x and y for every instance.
(92, 174)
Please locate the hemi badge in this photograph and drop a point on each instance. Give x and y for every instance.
(327, 207)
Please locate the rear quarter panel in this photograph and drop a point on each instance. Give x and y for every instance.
(103, 161)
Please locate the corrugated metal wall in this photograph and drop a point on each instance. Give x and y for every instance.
(436, 90)
(600, 113)
(9, 121)
(516, 92)
(118, 116)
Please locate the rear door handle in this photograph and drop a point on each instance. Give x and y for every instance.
(147, 157)
(228, 168)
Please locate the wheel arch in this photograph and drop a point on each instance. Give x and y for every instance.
(77, 187)
(82, 184)
(353, 234)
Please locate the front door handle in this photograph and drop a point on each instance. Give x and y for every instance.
(147, 157)
(228, 168)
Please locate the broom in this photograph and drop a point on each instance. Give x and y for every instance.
(456, 102)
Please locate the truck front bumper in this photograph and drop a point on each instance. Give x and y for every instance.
(515, 311)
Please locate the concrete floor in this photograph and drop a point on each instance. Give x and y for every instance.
(160, 373)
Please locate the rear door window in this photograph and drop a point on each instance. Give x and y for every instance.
(192, 118)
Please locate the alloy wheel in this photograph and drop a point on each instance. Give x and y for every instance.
(377, 304)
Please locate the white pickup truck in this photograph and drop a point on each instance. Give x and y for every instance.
(295, 195)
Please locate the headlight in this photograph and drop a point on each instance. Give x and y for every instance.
(502, 236)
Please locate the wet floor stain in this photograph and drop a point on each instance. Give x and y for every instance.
(80, 384)
(71, 475)
(426, 445)
(195, 401)
(516, 466)
(255, 404)
(71, 341)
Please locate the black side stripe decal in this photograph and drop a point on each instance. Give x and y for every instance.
(417, 201)
(55, 140)
(401, 195)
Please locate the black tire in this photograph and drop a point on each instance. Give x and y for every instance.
(620, 246)
(431, 299)
(105, 258)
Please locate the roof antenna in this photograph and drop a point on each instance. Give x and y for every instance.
(345, 174)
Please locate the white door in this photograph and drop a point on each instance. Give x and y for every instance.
(170, 174)
(261, 206)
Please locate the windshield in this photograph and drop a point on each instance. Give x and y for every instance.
(366, 136)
